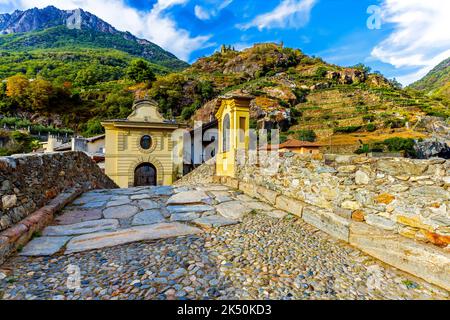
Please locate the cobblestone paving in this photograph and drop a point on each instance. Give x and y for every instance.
(262, 257)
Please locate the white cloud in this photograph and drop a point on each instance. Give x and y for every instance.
(155, 24)
(421, 36)
(201, 13)
(288, 14)
(210, 9)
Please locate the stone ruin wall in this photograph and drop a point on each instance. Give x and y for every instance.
(28, 182)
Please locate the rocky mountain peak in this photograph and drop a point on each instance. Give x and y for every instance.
(38, 19)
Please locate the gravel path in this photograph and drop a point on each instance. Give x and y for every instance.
(261, 258)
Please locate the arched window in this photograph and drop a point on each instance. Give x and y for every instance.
(226, 133)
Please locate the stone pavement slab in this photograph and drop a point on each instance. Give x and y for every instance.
(192, 208)
(140, 196)
(162, 191)
(215, 221)
(187, 197)
(233, 209)
(184, 216)
(148, 217)
(147, 204)
(81, 228)
(109, 239)
(77, 216)
(44, 246)
(93, 205)
(120, 212)
(119, 202)
(86, 198)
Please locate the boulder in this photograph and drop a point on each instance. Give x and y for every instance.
(432, 148)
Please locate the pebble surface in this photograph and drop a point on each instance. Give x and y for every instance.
(261, 258)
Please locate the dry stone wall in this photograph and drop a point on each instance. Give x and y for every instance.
(28, 182)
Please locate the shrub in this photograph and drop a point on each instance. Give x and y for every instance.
(295, 113)
(306, 135)
(321, 72)
(363, 149)
(401, 144)
(369, 118)
(300, 94)
(371, 127)
(349, 129)
(395, 123)
(284, 104)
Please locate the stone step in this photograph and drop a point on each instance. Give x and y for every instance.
(109, 239)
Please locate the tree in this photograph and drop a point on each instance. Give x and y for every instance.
(140, 70)
(16, 86)
(40, 92)
(93, 127)
(87, 77)
(363, 67)
(395, 83)
(206, 90)
(118, 105)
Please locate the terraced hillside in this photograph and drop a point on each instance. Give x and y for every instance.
(343, 106)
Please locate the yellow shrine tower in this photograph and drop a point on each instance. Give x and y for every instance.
(234, 124)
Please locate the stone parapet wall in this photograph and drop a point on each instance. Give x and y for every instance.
(29, 182)
(394, 209)
(408, 197)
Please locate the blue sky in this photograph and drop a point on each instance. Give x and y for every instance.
(412, 37)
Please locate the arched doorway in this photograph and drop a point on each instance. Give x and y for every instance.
(145, 175)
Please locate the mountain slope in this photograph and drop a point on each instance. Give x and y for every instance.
(46, 28)
(435, 79)
(436, 83)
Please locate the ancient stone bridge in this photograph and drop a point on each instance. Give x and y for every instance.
(205, 238)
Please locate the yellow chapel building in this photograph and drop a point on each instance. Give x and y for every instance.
(144, 149)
